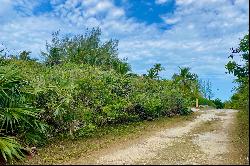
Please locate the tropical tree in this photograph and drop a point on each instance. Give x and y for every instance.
(53, 56)
(153, 73)
(210, 93)
(85, 49)
(24, 55)
(186, 81)
(206, 89)
(241, 71)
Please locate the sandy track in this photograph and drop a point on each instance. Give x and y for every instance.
(201, 141)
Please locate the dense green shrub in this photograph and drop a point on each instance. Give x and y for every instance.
(204, 101)
(68, 93)
(85, 49)
(218, 103)
(18, 115)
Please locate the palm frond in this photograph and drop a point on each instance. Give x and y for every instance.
(10, 149)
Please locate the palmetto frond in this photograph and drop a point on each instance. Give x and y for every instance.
(17, 115)
(10, 148)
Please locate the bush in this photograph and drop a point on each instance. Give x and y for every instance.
(204, 101)
(83, 93)
(18, 115)
(219, 104)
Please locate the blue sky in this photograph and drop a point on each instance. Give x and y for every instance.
(185, 33)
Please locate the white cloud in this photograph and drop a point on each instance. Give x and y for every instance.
(161, 1)
(170, 20)
(184, 2)
(115, 13)
(29, 33)
(101, 6)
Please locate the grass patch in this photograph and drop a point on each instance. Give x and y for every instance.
(66, 150)
(240, 136)
(207, 126)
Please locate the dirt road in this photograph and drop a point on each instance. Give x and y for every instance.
(205, 140)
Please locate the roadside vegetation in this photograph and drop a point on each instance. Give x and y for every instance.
(240, 99)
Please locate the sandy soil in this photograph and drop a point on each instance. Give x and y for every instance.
(205, 140)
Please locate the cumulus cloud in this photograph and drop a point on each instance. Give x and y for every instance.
(78, 11)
